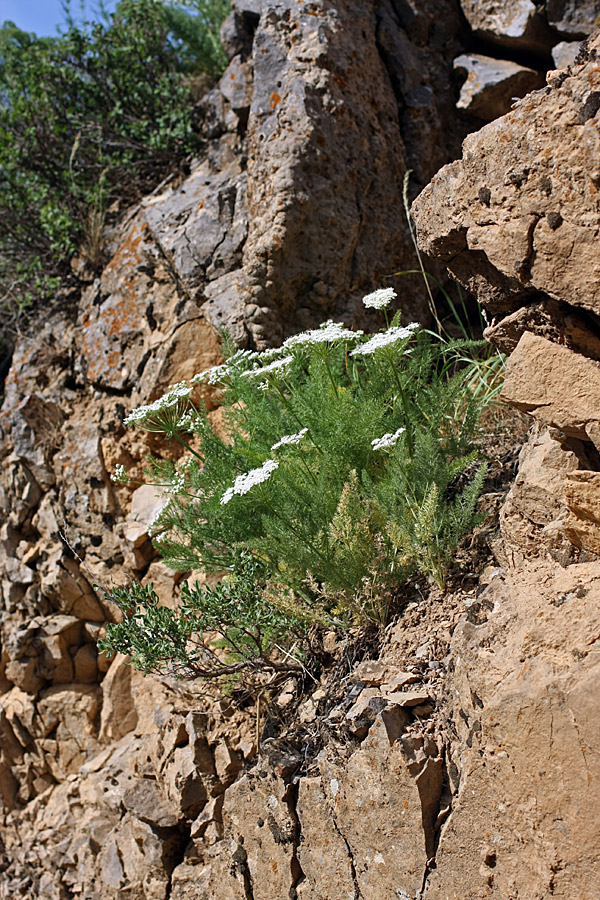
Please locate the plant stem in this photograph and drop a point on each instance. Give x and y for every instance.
(407, 421)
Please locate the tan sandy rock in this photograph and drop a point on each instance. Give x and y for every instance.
(519, 213)
(492, 85)
(582, 497)
(527, 672)
(555, 385)
(532, 515)
(379, 805)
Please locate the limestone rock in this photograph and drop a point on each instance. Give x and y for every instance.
(236, 85)
(374, 811)
(518, 813)
(518, 215)
(582, 497)
(575, 18)
(260, 839)
(531, 519)
(492, 85)
(146, 504)
(514, 24)
(70, 712)
(320, 216)
(565, 53)
(555, 385)
(554, 320)
(118, 716)
(201, 225)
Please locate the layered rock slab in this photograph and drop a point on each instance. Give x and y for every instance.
(517, 221)
(526, 674)
(346, 97)
(519, 214)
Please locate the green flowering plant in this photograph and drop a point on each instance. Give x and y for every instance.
(349, 463)
(338, 466)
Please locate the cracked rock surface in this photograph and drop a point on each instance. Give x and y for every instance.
(517, 220)
(462, 762)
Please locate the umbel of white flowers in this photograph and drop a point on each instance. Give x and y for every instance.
(328, 332)
(281, 366)
(243, 483)
(380, 299)
(290, 439)
(387, 440)
(385, 339)
(175, 394)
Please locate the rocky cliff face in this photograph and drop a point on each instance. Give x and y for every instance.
(459, 764)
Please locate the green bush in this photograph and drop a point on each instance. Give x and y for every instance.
(348, 465)
(97, 114)
(236, 612)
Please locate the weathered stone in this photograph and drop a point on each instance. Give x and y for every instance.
(85, 664)
(408, 698)
(201, 226)
(227, 763)
(226, 307)
(184, 783)
(146, 504)
(193, 346)
(363, 711)
(113, 320)
(519, 811)
(146, 802)
(259, 842)
(565, 53)
(69, 711)
(555, 385)
(575, 18)
(582, 497)
(318, 216)
(515, 24)
(236, 85)
(383, 802)
(63, 584)
(492, 85)
(558, 322)
(56, 664)
(519, 214)
(118, 716)
(531, 517)
(324, 854)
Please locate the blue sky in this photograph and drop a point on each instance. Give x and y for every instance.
(43, 16)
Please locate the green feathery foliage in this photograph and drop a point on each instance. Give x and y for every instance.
(348, 465)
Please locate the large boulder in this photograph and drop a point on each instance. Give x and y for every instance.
(517, 221)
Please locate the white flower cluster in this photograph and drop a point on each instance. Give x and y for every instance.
(325, 334)
(120, 475)
(177, 485)
(290, 439)
(243, 483)
(385, 339)
(279, 366)
(388, 440)
(379, 299)
(174, 395)
(217, 374)
(186, 422)
(265, 355)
